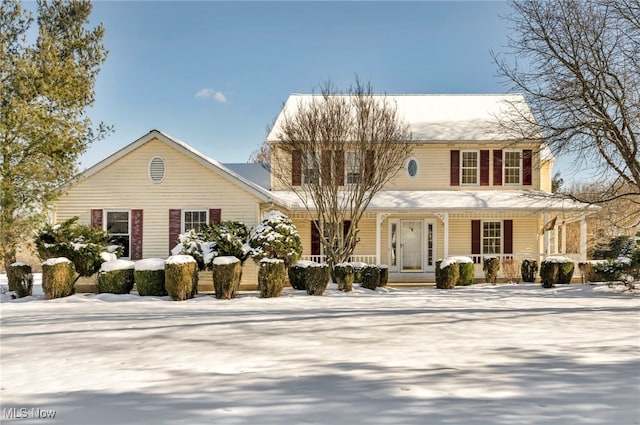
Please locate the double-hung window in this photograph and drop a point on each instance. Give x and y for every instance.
(491, 237)
(117, 225)
(512, 163)
(311, 167)
(353, 168)
(470, 167)
(194, 220)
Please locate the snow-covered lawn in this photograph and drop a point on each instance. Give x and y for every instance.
(509, 354)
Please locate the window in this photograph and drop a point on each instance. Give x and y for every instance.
(311, 168)
(412, 167)
(492, 237)
(117, 225)
(194, 220)
(353, 168)
(512, 167)
(469, 169)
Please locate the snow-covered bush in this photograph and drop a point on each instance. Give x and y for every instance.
(276, 237)
(316, 278)
(58, 278)
(466, 269)
(297, 274)
(344, 276)
(272, 277)
(384, 274)
(529, 270)
(447, 274)
(370, 277)
(181, 277)
(227, 273)
(556, 270)
(490, 267)
(511, 269)
(218, 240)
(149, 277)
(357, 270)
(20, 279)
(81, 244)
(116, 277)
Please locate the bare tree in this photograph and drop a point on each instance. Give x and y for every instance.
(336, 151)
(578, 64)
(262, 155)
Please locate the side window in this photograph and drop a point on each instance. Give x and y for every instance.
(353, 168)
(194, 220)
(117, 225)
(311, 168)
(512, 164)
(469, 168)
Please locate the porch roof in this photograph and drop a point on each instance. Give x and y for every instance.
(435, 201)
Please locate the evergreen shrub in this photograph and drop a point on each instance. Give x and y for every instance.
(447, 276)
(297, 274)
(490, 267)
(149, 277)
(344, 276)
(227, 273)
(529, 270)
(271, 277)
(20, 279)
(58, 278)
(370, 277)
(466, 272)
(316, 278)
(275, 237)
(116, 277)
(181, 277)
(384, 274)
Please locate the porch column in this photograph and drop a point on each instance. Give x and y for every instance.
(583, 238)
(545, 235)
(378, 224)
(563, 246)
(445, 222)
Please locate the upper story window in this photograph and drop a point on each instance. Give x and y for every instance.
(194, 220)
(353, 168)
(311, 167)
(492, 237)
(512, 164)
(412, 167)
(469, 169)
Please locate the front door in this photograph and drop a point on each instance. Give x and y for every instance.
(411, 256)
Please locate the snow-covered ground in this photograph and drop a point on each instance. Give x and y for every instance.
(508, 354)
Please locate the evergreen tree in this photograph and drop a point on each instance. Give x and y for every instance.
(46, 85)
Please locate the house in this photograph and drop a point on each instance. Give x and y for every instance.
(471, 188)
(157, 187)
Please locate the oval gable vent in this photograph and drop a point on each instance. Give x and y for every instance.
(157, 169)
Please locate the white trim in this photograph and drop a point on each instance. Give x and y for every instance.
(445, 222)
(192, 210)
(477, 152)
(105, 220)
(390, 251)
(504, 174)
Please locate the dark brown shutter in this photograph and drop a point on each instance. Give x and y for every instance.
(326, 168)
(296, 168)
(527, 157)
(215, 216)
(175, 223)
(475, 237)
(346, 225)
(96, 218)
(315, 238)
(369, 165)
(338, 157)
(136, 234)
(484, 168)
(497, 167)
(455, 168)
(508, 236)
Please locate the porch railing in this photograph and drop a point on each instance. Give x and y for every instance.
(369, 259)
(478, 258)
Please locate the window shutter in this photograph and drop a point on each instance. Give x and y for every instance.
(369, 164)
(315, 238)
(326, 168)
(136, 234)
(484, 168)
(508, 236)
(296, 168)
(527, 157)
(475, 237)
(497, 167)
(96, 218)
(215, 216)
(175, 223)
(455, 168)
(346, 225)
(339, 159)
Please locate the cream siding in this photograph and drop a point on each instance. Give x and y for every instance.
(125, 184)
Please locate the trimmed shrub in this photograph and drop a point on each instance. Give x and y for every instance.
(357, 271)
(370, 277)
(447, 276)
(116, 277)
(491, 267)
(181, 277)
(227, 273)
(344, 276)
(276, 237)
(58, 278)
(565, 272)
(384, 274)
(297, 275)
(20, 279)
(271, 277)
(149, 277)
(548, 274)
(316, 278)
(587, 271)
(511, 270)
(529, 270)
(466, 272)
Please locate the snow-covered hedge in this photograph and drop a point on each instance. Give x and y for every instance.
(149, 277)
(20, 279)
(447, 277)
(529, 270)
(181, 277)
(490, 267)
(272, 277)
(227, 273)
(276, 237)
(81, 244)
(58, 278)
(116, 277)
(344, 276)
(310, 276)
(556, 270)
(370, 277)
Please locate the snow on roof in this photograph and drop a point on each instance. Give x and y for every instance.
(441, 118)
(459, 200)
(256, 173)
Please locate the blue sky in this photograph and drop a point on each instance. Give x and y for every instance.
(215, 74)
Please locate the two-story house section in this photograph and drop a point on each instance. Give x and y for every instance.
(470, 187)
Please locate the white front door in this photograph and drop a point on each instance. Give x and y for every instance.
(411, 235)
(412, 245)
